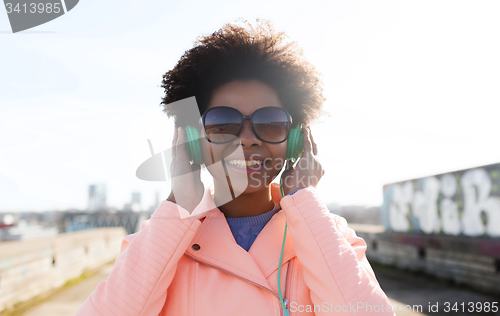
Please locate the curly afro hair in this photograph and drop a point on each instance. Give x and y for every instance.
(238, 53)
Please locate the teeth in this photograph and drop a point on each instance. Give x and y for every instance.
(246, 163)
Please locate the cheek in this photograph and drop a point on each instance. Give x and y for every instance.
(208, 156)
(278, 152)
(211, 155)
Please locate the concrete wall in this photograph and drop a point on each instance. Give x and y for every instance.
(460, 203)
(471, 261)
(33, 267)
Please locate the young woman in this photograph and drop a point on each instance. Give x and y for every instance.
(249, 247)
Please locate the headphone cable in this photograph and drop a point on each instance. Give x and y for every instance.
(285, 308)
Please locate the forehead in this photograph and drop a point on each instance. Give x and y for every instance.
(245, 96)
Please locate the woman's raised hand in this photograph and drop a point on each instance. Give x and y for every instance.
(307, 171)
(187, 188)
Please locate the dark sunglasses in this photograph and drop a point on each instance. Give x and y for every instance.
(223, 124)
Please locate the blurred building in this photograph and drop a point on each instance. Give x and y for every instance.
(156, 202)
(358, 214)
(135, 203)
(78, 221)
(97, 198)
(25, 226)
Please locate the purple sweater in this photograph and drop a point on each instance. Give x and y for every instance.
(246, 229)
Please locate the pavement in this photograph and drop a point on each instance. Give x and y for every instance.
(411, 291)
(430, 295)
(68, 302)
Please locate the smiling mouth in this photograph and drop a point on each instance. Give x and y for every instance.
(246, 163)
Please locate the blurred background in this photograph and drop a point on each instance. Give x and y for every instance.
(410, 145)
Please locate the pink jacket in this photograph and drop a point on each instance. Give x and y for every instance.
(182, 264)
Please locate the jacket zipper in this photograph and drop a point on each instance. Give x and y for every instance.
(288, 275)
(237, 276)
(286, 285)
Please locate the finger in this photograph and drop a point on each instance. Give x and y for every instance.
(196, 172)
(314, 146)
(181, 148)
(307, 141)
(174, 141)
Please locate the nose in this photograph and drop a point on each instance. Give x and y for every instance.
(247, 137)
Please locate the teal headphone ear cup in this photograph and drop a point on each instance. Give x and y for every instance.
(193, 148)
(295, 143)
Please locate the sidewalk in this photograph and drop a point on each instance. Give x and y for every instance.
(69, 302)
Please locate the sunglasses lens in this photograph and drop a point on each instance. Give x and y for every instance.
(271, 124)
(222, 124)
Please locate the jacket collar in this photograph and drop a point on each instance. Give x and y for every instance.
(219, 249)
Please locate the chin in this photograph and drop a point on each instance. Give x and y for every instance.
(250, 190)
(243, 186)
(251, 185)
(243, 181)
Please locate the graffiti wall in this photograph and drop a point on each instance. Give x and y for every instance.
(465, 202)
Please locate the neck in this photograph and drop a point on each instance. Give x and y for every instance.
(244, 205)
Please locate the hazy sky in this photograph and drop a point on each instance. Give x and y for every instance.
(412, 88)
